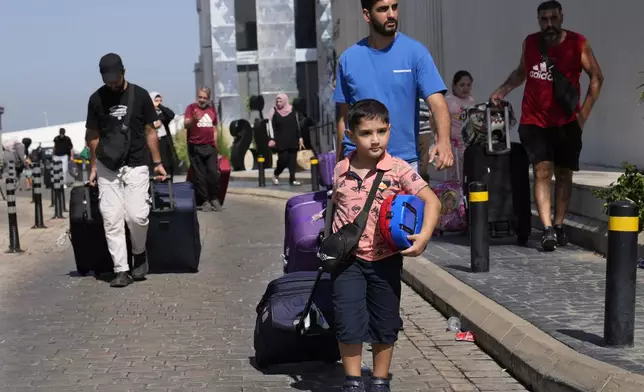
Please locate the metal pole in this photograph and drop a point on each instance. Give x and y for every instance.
(11, 171)
(262, 175)
(315, 175)
(37, 187)
(14, 236)
(50, 167)
(621, 274)
(479, 230)
(58, 188)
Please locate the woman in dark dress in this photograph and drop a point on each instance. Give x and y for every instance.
(166, 144)
(287, 138)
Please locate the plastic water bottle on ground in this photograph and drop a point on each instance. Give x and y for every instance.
(454, 324)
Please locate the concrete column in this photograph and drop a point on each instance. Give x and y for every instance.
(224, 59)
(326, 62)
(276, 49)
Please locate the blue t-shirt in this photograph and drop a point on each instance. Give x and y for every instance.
(396, 76)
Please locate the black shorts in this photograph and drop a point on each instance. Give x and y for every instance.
(366, 301)
(560, 145)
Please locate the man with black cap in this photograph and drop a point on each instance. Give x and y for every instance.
(120, 132)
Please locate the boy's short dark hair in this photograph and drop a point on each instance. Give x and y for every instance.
(549, 5)
(367, 109)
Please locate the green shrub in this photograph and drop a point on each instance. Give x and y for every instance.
(629, 186)
(181, 146)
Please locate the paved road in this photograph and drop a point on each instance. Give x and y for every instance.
(561, 292)
(61, 332)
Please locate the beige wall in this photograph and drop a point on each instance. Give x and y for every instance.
(481, 37)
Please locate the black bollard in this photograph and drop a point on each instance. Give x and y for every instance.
(479, 229)
(315, 175)
(14, 237)
(37, 187)
(621, 274)
(50, 167)
(58, 189)
(260, 167)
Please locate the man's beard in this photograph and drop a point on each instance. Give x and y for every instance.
(203, 105)
(382, 30)
(552, 33)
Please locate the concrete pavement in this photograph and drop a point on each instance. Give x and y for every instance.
(61, 332)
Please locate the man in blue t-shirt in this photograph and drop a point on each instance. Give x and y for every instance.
(396, 70)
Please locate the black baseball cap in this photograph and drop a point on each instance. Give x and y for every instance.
(111, 67)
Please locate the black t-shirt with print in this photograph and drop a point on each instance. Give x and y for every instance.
(106, 111)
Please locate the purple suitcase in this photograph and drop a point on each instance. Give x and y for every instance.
(327, 165)
(304, 220)
(294, 202)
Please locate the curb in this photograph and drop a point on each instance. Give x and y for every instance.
(535, 358)
(532, 356)
(251, 176)
(259, 192)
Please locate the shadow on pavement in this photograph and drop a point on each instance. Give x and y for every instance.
(583, 336)
(308, 376)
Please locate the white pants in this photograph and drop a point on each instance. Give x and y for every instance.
(123, 198)
(65, 160)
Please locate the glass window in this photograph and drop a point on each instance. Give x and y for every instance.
(307, 86)
(246, 25)
(248, 85)
(305, 24)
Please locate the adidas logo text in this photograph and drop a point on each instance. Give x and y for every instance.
(541, 72)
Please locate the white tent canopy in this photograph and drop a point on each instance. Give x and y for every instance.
(76, 131)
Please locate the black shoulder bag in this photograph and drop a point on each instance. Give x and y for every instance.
(336, 248)
(114, 146)
(565, 93)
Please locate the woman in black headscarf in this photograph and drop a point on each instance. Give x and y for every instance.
(166, 144)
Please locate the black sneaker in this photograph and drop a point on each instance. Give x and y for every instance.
(549, 239)
(562, 238)
(379, 385)
(140, 266)
(122, 279)
(352, 386)
(215, 205)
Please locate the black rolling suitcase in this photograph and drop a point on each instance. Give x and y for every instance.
(295, 320)
(87, 234)
(504, 167)
(173, 242)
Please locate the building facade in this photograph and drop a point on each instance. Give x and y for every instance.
(485, 37)
(251, 47)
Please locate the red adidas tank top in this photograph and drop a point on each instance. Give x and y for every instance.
(539, 106)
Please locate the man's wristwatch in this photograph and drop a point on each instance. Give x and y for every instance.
(156, 164)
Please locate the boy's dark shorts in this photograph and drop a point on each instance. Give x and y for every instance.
(366, 301)
(560, 145)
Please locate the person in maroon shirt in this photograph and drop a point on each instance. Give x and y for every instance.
(550, 132)
(201, 123)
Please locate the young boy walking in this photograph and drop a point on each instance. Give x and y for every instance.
(366, 294)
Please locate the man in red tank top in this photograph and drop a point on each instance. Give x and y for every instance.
(551, 132)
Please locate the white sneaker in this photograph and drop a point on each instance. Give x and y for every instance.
(276, 181)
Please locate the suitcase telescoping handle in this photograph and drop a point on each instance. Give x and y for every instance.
(168, 180)
(301, 327)
(489, 108)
